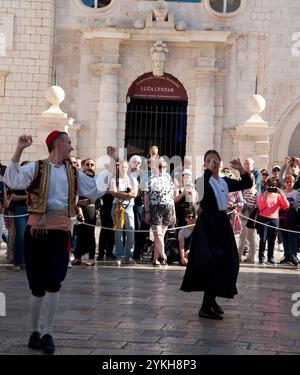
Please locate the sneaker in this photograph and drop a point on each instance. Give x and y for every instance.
(35, 340)
(17, 268)
(156, 262)
(119, 262)
(261, 261)
(294, 260)
(47, 344)
(164, 262)
(70, 265)
(271, 261)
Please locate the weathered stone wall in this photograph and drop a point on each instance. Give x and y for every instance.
(256, 58)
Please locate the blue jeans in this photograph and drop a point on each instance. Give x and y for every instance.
(267, 234)
(20, 224)
(124, 250)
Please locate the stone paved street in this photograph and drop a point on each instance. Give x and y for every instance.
(140, 310)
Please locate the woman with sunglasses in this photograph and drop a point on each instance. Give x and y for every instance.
(213, 264)
(159, 207)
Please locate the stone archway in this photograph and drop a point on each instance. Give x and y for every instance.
(284, 132)
(156, 114)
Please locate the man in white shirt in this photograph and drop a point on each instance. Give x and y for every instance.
(52, 186)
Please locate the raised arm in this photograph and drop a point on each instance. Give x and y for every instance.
(244, 183)
(17, 177)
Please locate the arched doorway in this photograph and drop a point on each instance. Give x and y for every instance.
(285, 138)
(156, 115)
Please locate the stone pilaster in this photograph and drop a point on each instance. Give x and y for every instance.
(104, 127)
(204, 110)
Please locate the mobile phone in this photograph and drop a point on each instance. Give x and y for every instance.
(272, 189)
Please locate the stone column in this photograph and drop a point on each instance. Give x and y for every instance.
(104, 126)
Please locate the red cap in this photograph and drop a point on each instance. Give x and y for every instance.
(53, 135)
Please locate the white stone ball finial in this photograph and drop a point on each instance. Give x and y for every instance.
(55, 95)
(256, 104)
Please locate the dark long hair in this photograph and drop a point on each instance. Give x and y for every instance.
(212, 152)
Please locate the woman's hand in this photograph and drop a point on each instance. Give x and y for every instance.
(236, 164)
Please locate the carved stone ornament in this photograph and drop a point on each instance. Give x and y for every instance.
(158, 55)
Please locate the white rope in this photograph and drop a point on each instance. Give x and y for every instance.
(269, 226)
(170, 229)
(16, 215)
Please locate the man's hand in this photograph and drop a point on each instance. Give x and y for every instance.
(111, 151)
(24, 141)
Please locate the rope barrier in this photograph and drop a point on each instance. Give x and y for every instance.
(170, 229)
(269, 226)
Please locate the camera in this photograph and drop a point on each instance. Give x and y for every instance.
(292, 159)
(128, 190)
(272, 189)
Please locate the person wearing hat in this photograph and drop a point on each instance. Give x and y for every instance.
(275, 174)
(52, 186)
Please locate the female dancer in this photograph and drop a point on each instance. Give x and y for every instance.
(213, 260)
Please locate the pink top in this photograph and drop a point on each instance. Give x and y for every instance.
(270, 207)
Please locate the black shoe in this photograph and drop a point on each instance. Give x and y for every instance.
(261, 261)
(217, 309)
(47, 344)
(283, 261)
(271, 261)
(99, 259)
(35, 340)
(294, 260)
(209, 314)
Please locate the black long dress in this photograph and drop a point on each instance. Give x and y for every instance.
(213, 264)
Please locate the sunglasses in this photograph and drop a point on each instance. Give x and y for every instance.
(264, 174)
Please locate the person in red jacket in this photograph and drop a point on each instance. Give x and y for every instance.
(269, 204)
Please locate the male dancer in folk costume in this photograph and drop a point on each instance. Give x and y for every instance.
(52, 186)
(213, 264)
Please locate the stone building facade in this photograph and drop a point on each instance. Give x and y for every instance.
(220, 58)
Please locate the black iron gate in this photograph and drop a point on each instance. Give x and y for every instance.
(156, 122)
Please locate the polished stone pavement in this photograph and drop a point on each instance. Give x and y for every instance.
(139, 309)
